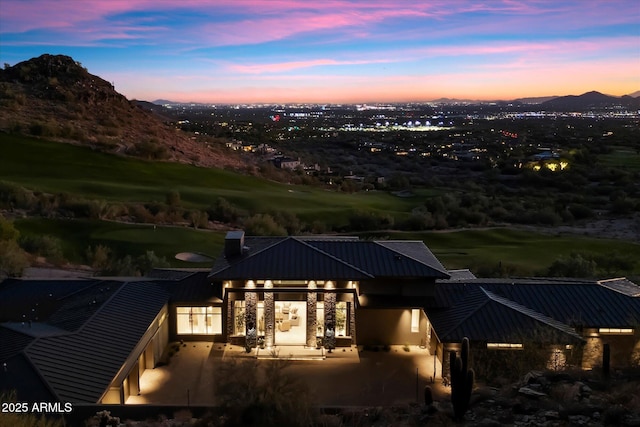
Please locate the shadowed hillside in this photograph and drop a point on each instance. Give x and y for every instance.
(55, 97)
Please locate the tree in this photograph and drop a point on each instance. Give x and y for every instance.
(13, 259)
(573, 266)
(263, 225)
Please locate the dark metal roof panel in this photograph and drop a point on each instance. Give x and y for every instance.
(80, 366)
(384, 259)
(196, 287)
(18, 297)
(291, 259)
(482, 316)
(578, 303)
(13, 342)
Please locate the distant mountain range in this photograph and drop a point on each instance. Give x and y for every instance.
(591, 100)
(586, 101)
(55, 97)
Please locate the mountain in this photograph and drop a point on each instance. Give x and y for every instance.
(163, 102)
(635, 94)
(589, 101)
(54, 97)
(534, 100)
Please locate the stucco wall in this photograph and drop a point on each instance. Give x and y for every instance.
(388, 326)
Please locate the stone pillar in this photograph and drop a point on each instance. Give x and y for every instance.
(230, 319)
(269, 316)
(330, 317)
(250, 316)
(351, 309)
(312, 313)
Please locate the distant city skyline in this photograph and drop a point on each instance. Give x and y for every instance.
(335, 51)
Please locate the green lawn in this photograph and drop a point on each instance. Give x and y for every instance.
(63, 168)
(124, 239)
(529, 253)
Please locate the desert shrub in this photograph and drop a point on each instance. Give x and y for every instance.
(13, 259)
(98, 257)
(263, 225)
(47, 246)
(263, 394)
(575, 265)
(369, 220)
(580, 211)
(15, 196)
(224, 211)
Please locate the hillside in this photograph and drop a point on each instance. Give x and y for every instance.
(590, 100)
(54, 97)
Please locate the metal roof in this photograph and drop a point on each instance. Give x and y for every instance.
(80, 366)
(194, 287)
(289, 259)
(622, 285)
(483, 316)
(35, 300)
(486, 307)
(328, 259)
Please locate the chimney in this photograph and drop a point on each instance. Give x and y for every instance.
(233, 244)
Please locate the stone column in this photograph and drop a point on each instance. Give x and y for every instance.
(351, 308)
(250, 316)
(269, 316)
(312, 312)
(330, 317)
(230, 318)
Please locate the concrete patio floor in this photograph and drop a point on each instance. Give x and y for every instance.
(345, 377)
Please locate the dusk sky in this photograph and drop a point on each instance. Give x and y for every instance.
(250, 51)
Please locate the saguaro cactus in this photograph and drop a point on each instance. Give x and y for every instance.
(462, 379)
(606, 360)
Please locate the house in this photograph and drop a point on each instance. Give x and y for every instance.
(89, 340)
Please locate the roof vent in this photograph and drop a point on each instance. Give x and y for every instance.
(233, 244)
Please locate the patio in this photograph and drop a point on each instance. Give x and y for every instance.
(345, 377)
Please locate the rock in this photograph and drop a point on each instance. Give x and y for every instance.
(552, 415)
(529, 392)
(532, 376)
(486, 422)
(579, 420)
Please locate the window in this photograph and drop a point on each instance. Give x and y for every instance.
(616, 331)
(415, 320)
(199, 320)
(504, 346)
(238, 317)
(341, 318)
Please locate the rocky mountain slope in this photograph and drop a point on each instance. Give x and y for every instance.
(55, 97)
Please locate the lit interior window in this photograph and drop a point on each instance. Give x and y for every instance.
(199, 320)
(616, 331)
(504, 346)
(415, 320)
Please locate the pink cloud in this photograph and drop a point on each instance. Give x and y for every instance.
(289, 66)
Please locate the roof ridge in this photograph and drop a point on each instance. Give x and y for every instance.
(472, 312)
(381, 243)
(283, 239)
(550, 321)
(102, 307)
(333, 257)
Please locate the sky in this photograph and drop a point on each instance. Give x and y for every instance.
(335, 51)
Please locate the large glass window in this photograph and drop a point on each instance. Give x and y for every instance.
(415, 320)
(341, 319)
(238, 317)
(199, 320)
